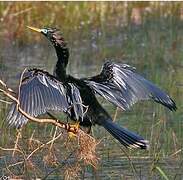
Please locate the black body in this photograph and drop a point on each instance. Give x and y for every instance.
(118, 83)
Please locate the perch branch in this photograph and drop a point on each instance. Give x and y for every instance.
(87, 144)
(51, 121)
(7, 92)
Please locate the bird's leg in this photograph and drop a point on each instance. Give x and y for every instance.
(72, 129)
(88, 130)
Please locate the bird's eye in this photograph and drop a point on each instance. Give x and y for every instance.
(45, 31)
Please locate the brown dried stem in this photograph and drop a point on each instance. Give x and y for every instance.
(16, 142)
(86, 151)
(51, 121)
(87, 144)
(7, 92)
(42, 145)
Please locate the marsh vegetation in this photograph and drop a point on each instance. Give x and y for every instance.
(145, 35)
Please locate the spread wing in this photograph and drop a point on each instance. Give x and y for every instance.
(121, 85)
(40, 92)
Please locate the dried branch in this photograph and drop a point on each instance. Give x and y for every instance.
(11, 149)
(3, 101)
(53, 139)
(62, 164)
(115, 114)
(86, 149)
(51, 121)
(85, 152)
(16, 142)
(7, 92)
(41, 146)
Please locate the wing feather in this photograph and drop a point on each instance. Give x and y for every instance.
(121, 85)
(40, 92)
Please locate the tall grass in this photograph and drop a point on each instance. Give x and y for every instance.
(147, 35)
(72, 16)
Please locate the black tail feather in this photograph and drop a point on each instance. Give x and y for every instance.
(124, 136)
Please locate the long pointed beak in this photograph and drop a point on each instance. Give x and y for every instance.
(34, 29)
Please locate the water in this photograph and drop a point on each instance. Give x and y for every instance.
(154, 47)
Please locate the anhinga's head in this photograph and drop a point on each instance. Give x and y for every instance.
(56, 38)
(52, 34)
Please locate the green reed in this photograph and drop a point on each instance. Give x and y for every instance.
(153, 44)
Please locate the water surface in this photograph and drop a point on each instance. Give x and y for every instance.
(154, 46)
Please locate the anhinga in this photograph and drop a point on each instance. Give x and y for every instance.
(118, 83)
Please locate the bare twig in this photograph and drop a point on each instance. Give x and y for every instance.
(16, 142)
(17, 163)
(3, 101)
(5, 86)
(50, 121)
(19, 131)
(41, 146)
(115, 114)
(177, 152)
(61, 164)
(86, 149)
(55, 133)
(11, 149)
